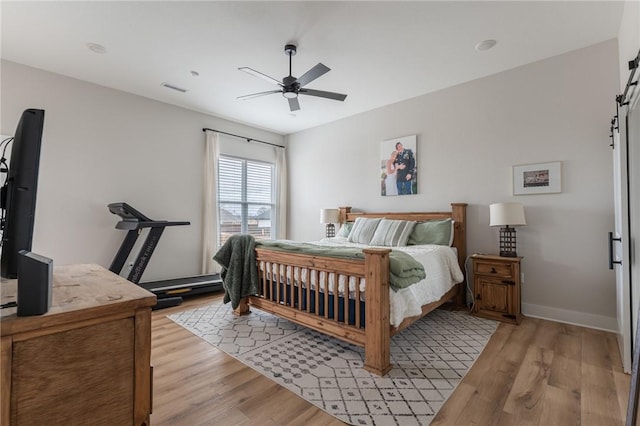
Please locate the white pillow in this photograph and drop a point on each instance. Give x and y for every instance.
(363, 230)
(392, 233)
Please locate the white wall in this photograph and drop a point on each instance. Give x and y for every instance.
(469, 136)
(102, 146)
(628, 38)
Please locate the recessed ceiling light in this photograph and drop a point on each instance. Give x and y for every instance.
(194, 73)
(485, 45)
(97, 48)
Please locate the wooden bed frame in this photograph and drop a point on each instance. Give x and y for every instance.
(305, 307)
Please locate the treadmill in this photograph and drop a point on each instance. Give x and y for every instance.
(168, 292)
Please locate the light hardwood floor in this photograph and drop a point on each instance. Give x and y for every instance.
(538, 373)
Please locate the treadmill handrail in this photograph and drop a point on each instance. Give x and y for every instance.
(134, 224)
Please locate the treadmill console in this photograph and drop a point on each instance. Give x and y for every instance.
(126, 212)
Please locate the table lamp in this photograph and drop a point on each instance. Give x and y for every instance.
(507, 215)
(329, 217)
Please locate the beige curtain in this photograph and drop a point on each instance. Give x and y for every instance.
(281, 193)
(210, 207)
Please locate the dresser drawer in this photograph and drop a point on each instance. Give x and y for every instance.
(494, 269)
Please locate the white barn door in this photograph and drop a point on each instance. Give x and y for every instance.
(623, 242)
(618, 255)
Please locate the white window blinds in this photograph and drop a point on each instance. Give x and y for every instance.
(245, 198)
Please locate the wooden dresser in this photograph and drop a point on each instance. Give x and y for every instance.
(86, 361)
(496, 287)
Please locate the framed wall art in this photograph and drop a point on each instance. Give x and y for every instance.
(539, 178)
(398, 166)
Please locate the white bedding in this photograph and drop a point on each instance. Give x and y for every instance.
(442, 273)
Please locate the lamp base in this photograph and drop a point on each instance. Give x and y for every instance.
(508, 242)
(331, 230)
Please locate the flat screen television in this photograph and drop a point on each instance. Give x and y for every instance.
(20, 190)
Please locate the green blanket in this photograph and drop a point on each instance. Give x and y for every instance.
(239, 271)
(404, 269)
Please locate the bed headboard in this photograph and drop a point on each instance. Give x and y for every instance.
(458, 213)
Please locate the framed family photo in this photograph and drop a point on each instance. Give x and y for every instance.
(398, 167)
(540, 178)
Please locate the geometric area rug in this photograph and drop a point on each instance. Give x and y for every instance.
(429, 359)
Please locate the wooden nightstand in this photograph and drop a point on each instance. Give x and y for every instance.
(496, 287)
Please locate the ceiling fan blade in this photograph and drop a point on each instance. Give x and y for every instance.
(258, 74)
(294, 105)
(257, 95)
(323, 94)
(312, 74)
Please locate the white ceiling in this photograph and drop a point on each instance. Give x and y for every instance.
(379, 52)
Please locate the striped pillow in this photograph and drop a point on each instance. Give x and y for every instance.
(392, 233)
(363, 230)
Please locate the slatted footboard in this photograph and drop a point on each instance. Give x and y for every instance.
(314, 291)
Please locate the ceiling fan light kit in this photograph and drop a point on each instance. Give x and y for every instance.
(291, 86)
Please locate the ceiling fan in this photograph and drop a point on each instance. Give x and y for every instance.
(291, 86)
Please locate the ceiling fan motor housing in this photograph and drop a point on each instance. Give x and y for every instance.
(291, 87)
(290, 81)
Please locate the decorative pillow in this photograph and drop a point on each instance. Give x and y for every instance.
(345, 229)
(363, 230)
(392, 233)
(432, 232)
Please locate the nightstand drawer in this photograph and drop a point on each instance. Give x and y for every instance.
(494, 269)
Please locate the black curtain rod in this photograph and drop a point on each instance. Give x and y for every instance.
(242, 137)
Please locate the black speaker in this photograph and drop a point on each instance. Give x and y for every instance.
(35, 278)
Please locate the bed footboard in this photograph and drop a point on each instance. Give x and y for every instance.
(323, 293)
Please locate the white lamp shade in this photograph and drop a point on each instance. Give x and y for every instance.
(329, 216)
(502, 214)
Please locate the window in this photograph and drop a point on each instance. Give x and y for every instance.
(245, 198)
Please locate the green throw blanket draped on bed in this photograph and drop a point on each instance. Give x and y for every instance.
(404, 269)
(239, 271)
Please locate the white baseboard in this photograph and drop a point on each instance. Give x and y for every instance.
(598, 322)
